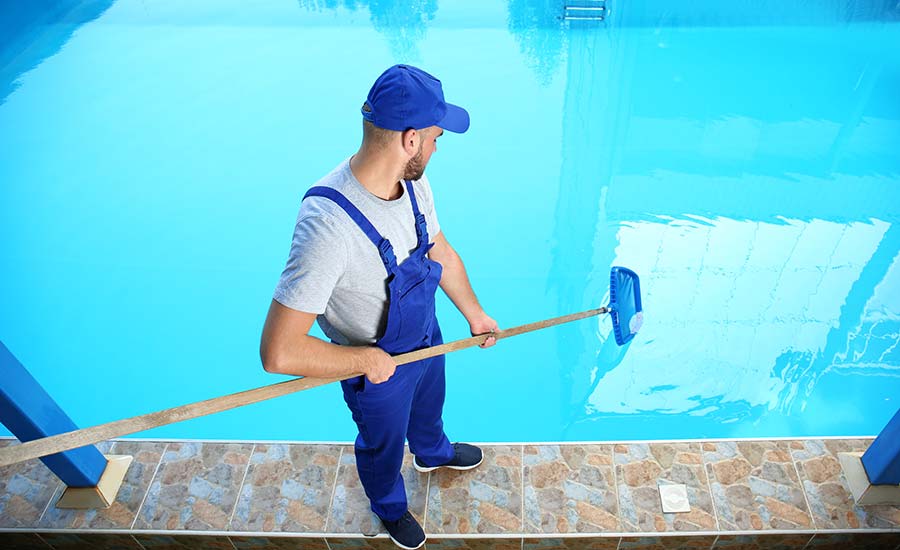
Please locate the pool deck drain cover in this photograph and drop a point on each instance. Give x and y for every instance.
(674, 498)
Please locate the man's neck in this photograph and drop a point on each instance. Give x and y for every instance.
(377, 174)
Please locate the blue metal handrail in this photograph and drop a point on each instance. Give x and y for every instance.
(882, 459)
(29, 412)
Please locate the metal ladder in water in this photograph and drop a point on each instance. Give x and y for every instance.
(586, 10)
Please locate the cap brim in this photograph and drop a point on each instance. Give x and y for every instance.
(456, 119)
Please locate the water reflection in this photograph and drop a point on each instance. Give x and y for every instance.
(764, 225)
(745, 319)
(403, 23)
(863, 340)
(594, 123)
(543, 36)
(748, 173)
(32, 31)
(742, 13)
(540, 34)
(747, 311)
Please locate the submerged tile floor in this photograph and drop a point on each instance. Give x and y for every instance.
(776, 494)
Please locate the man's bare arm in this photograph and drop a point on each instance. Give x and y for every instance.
(455, 283)
(287, 348)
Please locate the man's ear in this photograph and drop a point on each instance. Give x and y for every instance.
(411, 139)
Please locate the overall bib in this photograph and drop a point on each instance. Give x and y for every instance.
(409, 405)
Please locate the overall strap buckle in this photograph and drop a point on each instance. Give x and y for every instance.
(421, 227)
(387, 254)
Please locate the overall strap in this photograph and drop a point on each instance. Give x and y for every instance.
(385, 250)
(421, 227)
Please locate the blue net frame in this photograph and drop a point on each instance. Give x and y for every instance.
(624, 301)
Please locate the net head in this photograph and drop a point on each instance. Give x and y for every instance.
(625, 304)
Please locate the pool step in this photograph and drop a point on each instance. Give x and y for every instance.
(586, 11)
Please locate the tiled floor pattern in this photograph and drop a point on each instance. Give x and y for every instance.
(539, 492)
(96, 541)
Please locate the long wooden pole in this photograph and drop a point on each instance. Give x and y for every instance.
(95, 434)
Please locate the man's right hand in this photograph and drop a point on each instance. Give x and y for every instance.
(378, 366)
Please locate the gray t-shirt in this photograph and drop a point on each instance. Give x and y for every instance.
(335, 271)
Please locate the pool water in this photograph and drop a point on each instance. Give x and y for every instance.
(741, 157)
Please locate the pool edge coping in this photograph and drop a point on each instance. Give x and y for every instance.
(511, 443)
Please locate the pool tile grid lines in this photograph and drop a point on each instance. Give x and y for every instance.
(140, 541)
(783, 493)
(149, 541)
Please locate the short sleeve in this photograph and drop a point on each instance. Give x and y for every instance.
(426, 205)
(317, 260)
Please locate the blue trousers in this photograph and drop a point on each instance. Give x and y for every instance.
(406, 407)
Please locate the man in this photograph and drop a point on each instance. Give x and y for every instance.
(366, 260)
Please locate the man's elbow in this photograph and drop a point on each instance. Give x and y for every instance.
(272, 361)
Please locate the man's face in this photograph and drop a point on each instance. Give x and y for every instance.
(415, 167)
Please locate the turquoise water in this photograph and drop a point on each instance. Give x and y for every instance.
(743, 159)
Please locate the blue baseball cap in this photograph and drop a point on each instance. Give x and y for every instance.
(407, 97)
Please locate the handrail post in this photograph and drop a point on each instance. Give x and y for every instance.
(882, 459)
(28, 411)
(874, 476)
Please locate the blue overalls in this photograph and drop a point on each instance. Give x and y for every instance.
(407, 406)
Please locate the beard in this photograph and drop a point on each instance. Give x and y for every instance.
(415, 168)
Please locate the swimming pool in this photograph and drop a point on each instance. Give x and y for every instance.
(742, 159)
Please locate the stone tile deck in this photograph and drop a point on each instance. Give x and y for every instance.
(776, 494)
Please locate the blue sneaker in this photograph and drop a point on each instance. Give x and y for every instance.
(405, 532)
(465, 457)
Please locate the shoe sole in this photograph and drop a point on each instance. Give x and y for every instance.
(426, 469)
(421, 544)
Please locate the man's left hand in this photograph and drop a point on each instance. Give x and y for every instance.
(482, 324)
